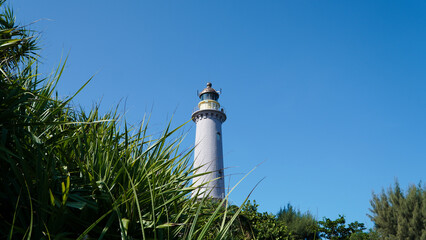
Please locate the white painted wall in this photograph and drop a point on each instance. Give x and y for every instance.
(208, 153)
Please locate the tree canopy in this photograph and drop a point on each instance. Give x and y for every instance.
(399, 215)
(300, 225)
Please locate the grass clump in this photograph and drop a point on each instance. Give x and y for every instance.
(75, 174)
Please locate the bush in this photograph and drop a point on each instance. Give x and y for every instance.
(72, 174)
(400, 216)
(251, 224)
(301, 225)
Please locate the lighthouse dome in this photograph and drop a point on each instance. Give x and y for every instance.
(209, 93)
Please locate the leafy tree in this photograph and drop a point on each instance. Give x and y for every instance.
(252, 224)
(300, 225)
(337, 229)
(371, 235)
(400, 216)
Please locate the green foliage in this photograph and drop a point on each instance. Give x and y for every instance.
(337, 229)
(252, 224)
(295, 225)
(371, 235)
(300, 225)
(400, 216)
(71, 174)
(16, 43)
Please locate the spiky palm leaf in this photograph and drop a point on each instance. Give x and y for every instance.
(71, 174)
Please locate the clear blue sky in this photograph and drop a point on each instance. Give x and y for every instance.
(329, 95)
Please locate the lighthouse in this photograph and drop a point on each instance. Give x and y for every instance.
(208, 153)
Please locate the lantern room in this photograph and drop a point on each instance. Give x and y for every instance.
(209, 98)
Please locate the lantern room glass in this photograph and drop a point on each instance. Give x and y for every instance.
(209, 96)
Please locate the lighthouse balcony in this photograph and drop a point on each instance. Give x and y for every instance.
(200, 114)
(221, 109)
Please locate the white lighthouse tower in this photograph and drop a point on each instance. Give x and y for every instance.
(208, 153)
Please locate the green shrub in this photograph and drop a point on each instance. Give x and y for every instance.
(399, 215)
(72, 174)
(300, 225)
